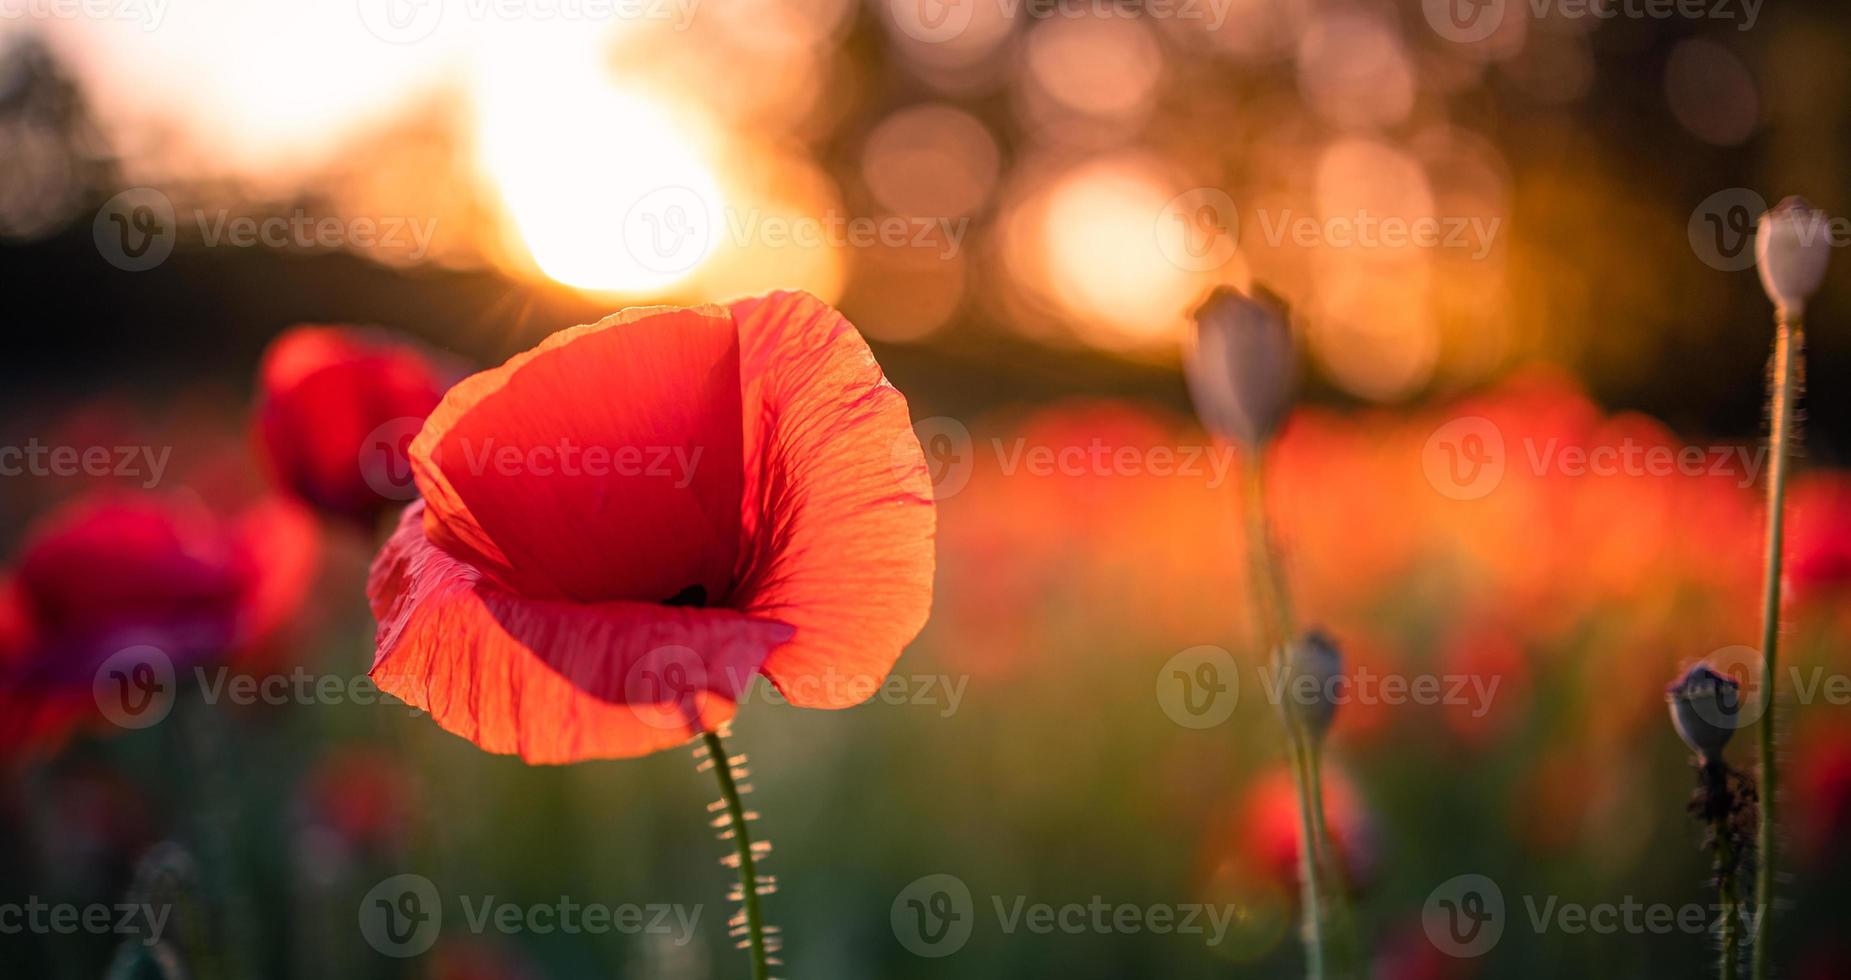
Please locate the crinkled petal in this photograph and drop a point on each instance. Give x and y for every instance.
(553, 681)
(839, 515)
(603, 464)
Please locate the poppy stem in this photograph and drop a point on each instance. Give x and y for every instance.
(1789, 336)
(1721, 805)
(750, 919)
(1273, 615)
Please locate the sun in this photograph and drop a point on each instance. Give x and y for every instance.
(606, 189)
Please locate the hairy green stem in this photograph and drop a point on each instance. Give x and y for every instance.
(1725, 894)
(742, 841)
(1788, 336)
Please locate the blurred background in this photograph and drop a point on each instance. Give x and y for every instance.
(1532, 217)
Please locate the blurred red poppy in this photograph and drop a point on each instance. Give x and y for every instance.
(1267, 829)
(640, 514)
(115, 571)
(1820, 549)
(361, 794)
(337, 409)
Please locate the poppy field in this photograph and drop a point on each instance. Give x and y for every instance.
(688, 489)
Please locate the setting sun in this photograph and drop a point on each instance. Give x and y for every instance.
(607, 192)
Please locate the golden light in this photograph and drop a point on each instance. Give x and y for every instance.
(1113, 256)
(606, 186)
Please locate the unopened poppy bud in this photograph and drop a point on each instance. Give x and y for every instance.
(1242, 366)
(1705, 706)
(1312, 666)
(1791, 249)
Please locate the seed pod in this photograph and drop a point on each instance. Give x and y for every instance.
(1312, 666)
(1241, 370)
(1791, 249)
(1705, 709)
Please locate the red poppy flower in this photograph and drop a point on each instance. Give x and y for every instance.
(1821, 536)
(337, 407)
(1266, 828)
(115, 570)
(363, 796)
(622, 525)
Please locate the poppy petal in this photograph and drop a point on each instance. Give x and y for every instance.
(603, 464)
(324, 392)
(839, 514)
(554, 681)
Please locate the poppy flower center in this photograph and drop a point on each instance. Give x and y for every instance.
(694, 595)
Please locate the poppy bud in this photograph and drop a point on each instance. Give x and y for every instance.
(1704, 708)
(1312, 666)
(337, 409)
(1242, 366)
(1791, 249)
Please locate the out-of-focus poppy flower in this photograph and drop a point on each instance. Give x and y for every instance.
(337, 409)
(1820, 545)
(643, 512)
(362, 795)
(1822, 791)
(120, 570)
(477, 959)
(1265, 829)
